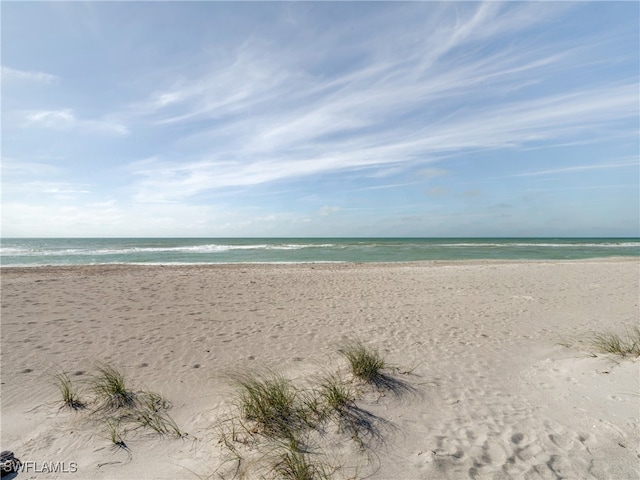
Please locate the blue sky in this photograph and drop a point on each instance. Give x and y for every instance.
(320, 119)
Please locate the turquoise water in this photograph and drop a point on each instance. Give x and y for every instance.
(84, 251)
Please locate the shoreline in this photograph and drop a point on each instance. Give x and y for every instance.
(414, 263)
(493, 392)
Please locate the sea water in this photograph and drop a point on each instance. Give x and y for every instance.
(165, 251)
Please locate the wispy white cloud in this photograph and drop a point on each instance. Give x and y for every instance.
(66, 119)
(225, 89)
(51, 118)
(16, 168)
(547, 118)
(271, 118)
(386, 186)
(573, 169)
(311, 106)
(45, 189)
(64, 190)
(589, 187)
(12, 74)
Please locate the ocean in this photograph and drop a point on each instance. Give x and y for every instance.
(185, 251)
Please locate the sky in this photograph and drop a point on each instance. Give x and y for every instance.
(320, 119)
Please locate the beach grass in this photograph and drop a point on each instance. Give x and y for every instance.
(272, 402)
(161, 424)
(110, 387)
(153, 401)
(366, 363)
(70, 395)
(296, 465)
(113, 426)
(118, 407)
(291, 419)
(334, 392)
(623, 345)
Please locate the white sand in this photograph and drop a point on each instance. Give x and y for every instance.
(493, 394)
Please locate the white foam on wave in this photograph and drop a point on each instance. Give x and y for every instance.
(32, 252)
(14, 251)
(214, 248)
(208, 248)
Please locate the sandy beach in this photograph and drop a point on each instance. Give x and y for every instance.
(501, 381)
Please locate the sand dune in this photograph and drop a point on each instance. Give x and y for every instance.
(493, 392)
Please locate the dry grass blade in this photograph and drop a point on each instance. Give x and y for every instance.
(70, 396)
(149, 414)
(619, 345)
(162, 424)
(115, 434)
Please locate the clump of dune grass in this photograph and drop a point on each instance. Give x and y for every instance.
(609, 342)
(271, 402)
(110, 387)
(119, 407)
(115, 433)
(366, 364)
(284, 423)
(334, 393)
(70, 395)
(162, 424)
(337, 401)
(149, 413)
(152, 401)
(295, 465)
